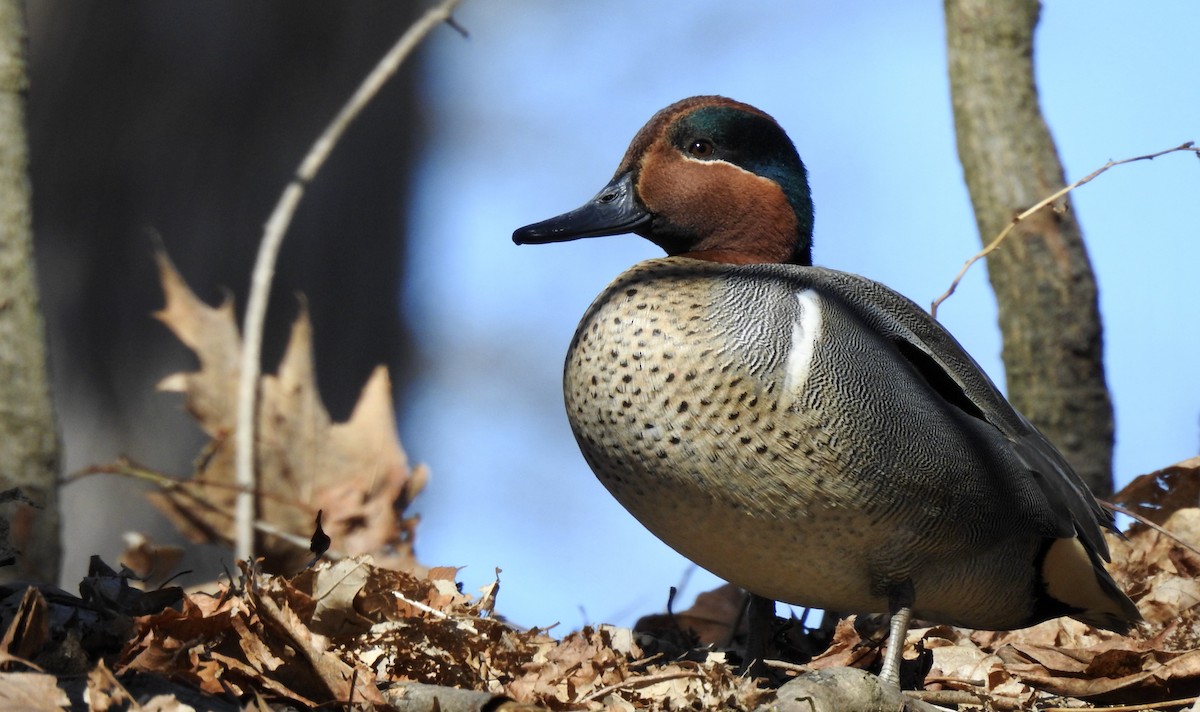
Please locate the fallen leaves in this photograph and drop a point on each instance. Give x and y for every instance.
(345, 632)
(350, 633)
(48, 628)
(31, 692)
(1155, 495)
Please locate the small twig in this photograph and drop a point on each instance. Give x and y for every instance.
(786, 666)
(297, 541)
(421, 606)
(991, 247)
(952, 697)
(463, 624)
(268, 250)
(1165, 532)
(127, 468)
(646, 660)
(638, 682)
(1130, 708)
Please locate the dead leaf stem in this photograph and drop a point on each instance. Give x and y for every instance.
(420, 606)
(1161, 530)
(268, 251)
(1130, 708)
(995, 243)
(127, 468)
(641, 681)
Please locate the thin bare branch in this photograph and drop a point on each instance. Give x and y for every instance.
(268, 251)
(1144, 707)
(994, 244)
(640, 681)
(125, 467)
(1146, 522)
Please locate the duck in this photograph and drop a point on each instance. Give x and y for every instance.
(809, 434)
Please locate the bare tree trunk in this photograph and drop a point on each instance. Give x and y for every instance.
(29, 450)
(1049, 318)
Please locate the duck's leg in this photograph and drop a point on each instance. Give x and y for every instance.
(890, 673)
(760, 621)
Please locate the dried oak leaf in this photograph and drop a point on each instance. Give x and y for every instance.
(32, 692)
(104, 692)
(847, 649)
(1156, 495)
(956, 658)
(176, 643)
(302, 640)
(406, 628)
(343, 681)
(564, 674)
(29, 629)
(1160, 571)
(356, 471)
(153, 563)
(708, 622)
(253, 639)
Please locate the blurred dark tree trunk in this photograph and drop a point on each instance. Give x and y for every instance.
(185, 120)
(1045, 288)
(29, 448)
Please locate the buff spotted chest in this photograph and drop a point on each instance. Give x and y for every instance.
(807, 434)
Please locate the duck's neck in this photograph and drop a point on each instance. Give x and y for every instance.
(745, 257)
(765, 249)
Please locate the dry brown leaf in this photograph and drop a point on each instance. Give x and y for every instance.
(956, 657)
(355, 471)
(710, 620)
(346, 684)
(334, 591)
(846, 650)
(228, 668)
(29, 629)
(165, 703)
(1156, 495)
(151, 562)
(262, 637)
(487, 595)
(32, 692)
(170, 642)
(104, 692)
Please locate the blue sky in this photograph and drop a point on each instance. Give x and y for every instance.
(529, 117)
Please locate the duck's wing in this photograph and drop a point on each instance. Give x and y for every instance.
(957, 378)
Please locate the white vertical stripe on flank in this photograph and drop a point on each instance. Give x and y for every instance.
(805, 332)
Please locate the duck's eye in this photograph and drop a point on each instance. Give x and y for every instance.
(701, 148)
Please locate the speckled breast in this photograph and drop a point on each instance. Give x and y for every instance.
(746, 421)
(673, 389)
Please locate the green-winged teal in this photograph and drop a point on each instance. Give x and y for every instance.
(808, 434)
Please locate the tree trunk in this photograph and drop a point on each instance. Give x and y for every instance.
(29, 449)
(1045, 288)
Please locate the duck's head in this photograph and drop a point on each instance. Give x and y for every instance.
(707, 177)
